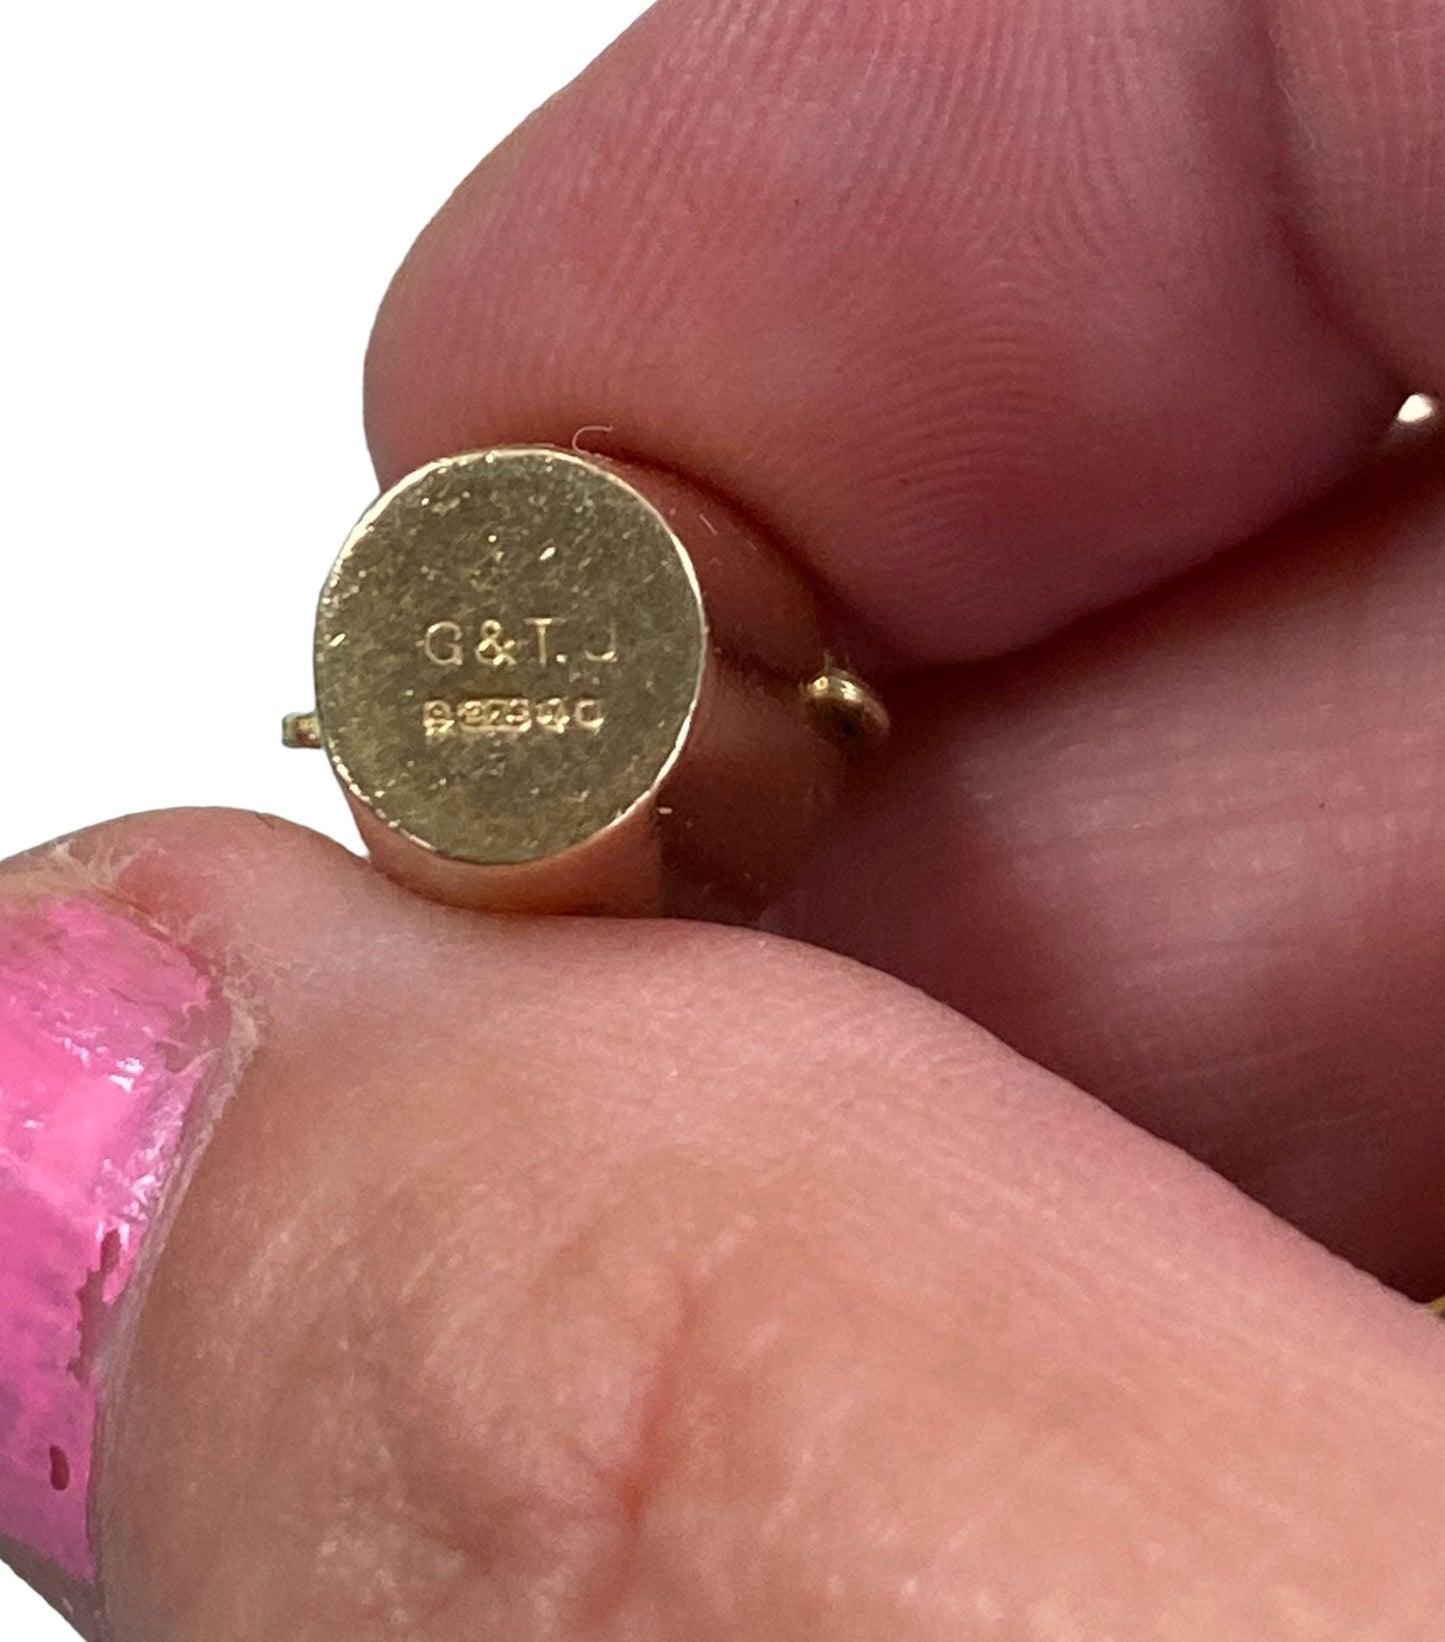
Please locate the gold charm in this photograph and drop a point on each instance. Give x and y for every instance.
(548, 682)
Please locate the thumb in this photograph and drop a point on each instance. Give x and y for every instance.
(542, 1280)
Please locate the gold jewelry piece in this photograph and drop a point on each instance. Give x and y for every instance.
(557, 683)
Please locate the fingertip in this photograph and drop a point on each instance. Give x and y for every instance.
(981, 368)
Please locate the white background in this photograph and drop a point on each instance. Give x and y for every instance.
(202, 207)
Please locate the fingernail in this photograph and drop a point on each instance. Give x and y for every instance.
(107, 1034)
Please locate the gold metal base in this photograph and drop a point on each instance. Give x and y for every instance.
(548, 682)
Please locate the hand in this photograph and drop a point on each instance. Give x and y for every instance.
(550, 1280)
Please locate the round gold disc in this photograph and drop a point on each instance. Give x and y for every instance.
(509, 651)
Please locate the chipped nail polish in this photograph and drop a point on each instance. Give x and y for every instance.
(107, 1034)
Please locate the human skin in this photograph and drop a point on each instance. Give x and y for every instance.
(550, 1279)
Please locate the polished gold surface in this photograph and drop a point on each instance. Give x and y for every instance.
(845, 708)
(508, 652)
(550, 682)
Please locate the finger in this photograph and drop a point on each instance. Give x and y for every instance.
(1190, 856)
(548, 1280)
(996, 312)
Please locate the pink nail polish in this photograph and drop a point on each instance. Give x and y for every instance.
(107, 1034)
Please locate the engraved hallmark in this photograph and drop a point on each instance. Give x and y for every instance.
(511, 716)
(451, 643)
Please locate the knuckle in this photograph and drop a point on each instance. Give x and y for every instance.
(631, 1440)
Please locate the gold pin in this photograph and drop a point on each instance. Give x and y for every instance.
(555, 683)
